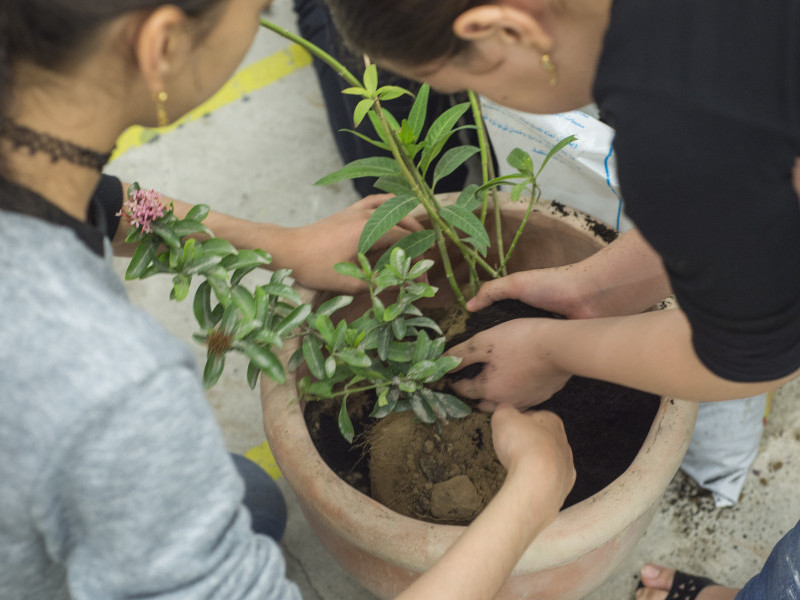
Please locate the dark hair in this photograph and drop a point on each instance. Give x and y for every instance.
(409, 31)
(49, 33)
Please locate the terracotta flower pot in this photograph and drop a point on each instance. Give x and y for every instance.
(386, 551)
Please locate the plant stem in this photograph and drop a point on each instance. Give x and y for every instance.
(314, 51)
(535, 195)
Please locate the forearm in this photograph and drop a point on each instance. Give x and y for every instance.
(478, 564)
(651, 352)
(625, 277)
(241, 233)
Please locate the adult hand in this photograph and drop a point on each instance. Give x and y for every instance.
(624, 278)
(536, 442)
(516, 368)
(313, 250)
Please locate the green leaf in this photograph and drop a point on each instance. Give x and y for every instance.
(394, 184)
(390, 92)
(518, 190)
(454, 407)
(213, 370)
(167, 235)
(354, 357)
(400, 351)
(386, 216)
(555, 150)
(265, 337)
(440, 131)
(414, 244)
(180, 287)
(355, 91)
(253, 373)
(244, 301)
(468, 198)
(246, 258)
(369, 140)
(374, 166)
(281, 290)
(466, 221)
(379, 411)
(218, 247)
(345, 424)
(424, 322)
(340, 335)
(221, 289)
(349, 270)
(362, 108)
(312, 352)
(142, 257)
(202, 305)
(265, 360)
(433, 403)
(385, 335)
(421, 348)
(325, 327)
(296, 359)
(330, 367)
(444, 365)
(422, 370)
(521, 161)
(371, 78)
(334, 304)
(197, 213)
(420, 268)
(421, 408)
(452, 160)
(399, 328)
(189, 227)
(240, 274)
(417, 114)
(293, 319)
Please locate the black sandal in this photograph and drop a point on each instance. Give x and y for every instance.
(685, 586)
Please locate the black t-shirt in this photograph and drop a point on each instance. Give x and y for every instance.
(705, 99)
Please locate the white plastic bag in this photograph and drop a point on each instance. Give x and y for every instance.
(583, 175)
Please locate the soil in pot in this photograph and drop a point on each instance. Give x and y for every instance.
(449, 475)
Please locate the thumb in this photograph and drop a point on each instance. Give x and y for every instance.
(490, 293)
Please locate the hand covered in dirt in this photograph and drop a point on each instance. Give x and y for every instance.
(312, 251)
(535, 441)
(515, 369)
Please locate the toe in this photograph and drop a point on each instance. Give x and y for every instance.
(656, 581)
(657, 577)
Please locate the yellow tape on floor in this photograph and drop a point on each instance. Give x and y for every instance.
(262, 456)
(246, 81)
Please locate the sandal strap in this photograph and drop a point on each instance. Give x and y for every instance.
(687, 587)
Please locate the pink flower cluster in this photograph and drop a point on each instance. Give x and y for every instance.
(142, 209)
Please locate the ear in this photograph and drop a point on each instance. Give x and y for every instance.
(162, 44)
(512, 25)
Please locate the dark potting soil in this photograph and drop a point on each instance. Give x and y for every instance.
(606, 424)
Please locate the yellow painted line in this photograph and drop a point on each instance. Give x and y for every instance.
(246, 81)
(262, 456)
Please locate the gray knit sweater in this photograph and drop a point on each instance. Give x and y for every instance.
(114, 479)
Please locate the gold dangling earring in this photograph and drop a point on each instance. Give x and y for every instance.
(547, 65)
(161, 110)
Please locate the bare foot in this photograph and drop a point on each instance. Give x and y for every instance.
(658, 580)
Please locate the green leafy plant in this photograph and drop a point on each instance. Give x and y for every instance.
(232, 317)
(392, 350)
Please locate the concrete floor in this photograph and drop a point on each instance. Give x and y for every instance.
(256, 157)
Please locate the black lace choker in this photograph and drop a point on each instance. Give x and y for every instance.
(23, 137)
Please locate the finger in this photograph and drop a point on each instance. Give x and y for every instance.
(411, 224)
(470, 389)
(488, 406)
(372, 201)
(490, 293)
(471, 351)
